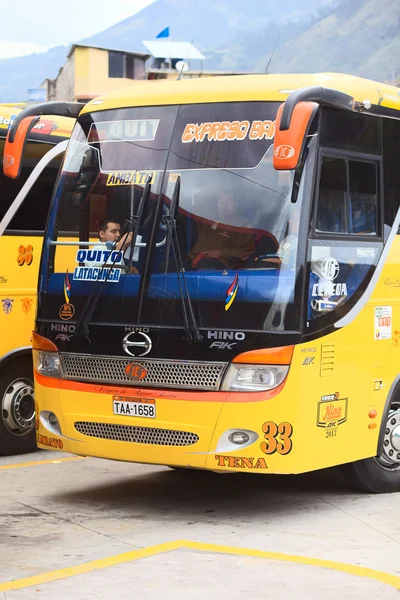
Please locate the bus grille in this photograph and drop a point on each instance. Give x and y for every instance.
(139, 435)
(160, 373)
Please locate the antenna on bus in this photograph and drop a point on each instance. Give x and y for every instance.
(272, 55)
(182, 64)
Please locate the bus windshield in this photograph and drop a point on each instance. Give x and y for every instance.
(236, 224)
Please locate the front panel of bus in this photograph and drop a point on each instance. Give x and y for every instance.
(208, 347)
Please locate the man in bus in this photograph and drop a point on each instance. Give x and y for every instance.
(110, 231)
(224, 243)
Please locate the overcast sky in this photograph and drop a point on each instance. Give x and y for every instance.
(36, 25)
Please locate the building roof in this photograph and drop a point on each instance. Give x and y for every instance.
(167, 49)
(140, 54)
(199, 72)
(242, 88)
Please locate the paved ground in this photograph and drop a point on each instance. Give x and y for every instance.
(74, 528)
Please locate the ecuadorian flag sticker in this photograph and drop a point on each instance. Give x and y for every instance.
(231, 292)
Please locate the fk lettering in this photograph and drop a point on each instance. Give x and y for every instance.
(309, 360)
(63, 337)
(223, 345)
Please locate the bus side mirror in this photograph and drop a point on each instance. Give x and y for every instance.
(289, 140)
(14, 150)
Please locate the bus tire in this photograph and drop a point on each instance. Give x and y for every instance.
(17, 407)
(380, 474)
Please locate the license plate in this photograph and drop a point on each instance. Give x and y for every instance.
(134, 407)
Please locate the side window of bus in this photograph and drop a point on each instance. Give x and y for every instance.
(32, 214)
(391, 171)
(347, 197)
(332, 196)
(363, 197)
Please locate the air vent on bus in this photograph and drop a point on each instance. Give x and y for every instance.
(138, 435)
(327, 360)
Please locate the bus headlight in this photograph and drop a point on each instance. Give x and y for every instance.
(253, 378)
(47, 363)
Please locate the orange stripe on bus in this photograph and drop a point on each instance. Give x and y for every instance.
(160, 394)
(267, 356)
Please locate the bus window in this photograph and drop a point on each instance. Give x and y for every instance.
(32, 215)
(363, 198)
(350, 131)
(391, 171)
(332, 196)
(347, 197)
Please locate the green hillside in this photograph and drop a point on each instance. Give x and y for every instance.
(360, 37)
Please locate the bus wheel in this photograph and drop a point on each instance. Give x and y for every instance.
(17, 408)
(380, 474)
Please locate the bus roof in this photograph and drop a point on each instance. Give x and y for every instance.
(49, 129)
(242, 88)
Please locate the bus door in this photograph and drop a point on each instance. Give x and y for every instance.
(345, 249)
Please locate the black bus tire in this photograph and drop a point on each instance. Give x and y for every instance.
(369, 475)
(17, 407)
(380, 474)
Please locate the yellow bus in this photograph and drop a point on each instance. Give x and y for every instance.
(228, 297)
(21, 236)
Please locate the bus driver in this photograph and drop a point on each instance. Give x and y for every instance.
(220, 245)
(110, 231)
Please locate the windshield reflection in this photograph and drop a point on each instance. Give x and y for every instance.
(236, 227)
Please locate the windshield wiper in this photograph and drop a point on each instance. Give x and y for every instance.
(136, 220)
(189, 320)
(131, 227)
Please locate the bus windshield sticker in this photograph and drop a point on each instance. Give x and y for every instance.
(220, 131)
(365, 252)
(383, 323)
(231, 292)
(97, 257)
(67, 310)
(67, 288)
(97, 274)
(141, 130)
(129, 177)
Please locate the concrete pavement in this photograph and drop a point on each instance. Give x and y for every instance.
(90, 528)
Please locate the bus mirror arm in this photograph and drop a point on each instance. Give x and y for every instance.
(320, 95)
(22, 125)
(59, 109)
(14, 151)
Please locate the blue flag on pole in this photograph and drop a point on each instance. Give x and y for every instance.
(164, 33)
